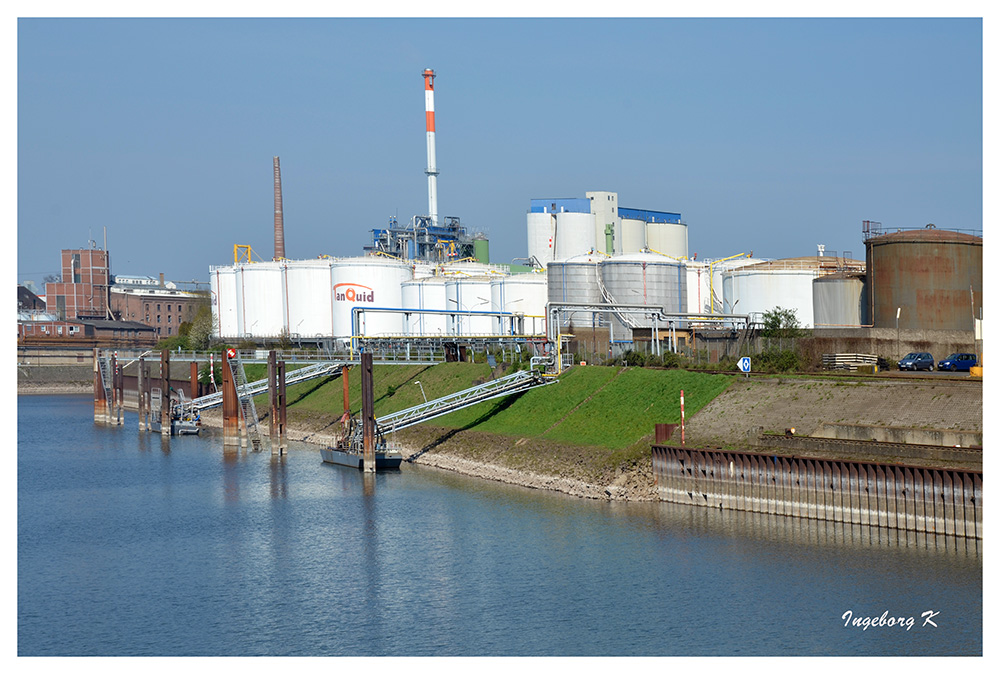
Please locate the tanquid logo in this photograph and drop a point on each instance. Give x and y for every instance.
(352, 292)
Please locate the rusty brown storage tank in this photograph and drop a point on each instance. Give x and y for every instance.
(926, 274)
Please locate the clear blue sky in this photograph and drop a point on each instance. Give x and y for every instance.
(770, 135)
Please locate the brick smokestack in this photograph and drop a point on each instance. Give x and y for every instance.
(279, 223)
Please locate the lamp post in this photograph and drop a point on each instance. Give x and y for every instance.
(898, 309)
(421, 389)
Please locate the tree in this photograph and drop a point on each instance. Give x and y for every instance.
(780, 322)
(200, 333)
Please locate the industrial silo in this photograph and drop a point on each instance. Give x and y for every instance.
(574, 234)
(837, 300)
(669, 238)
(541, 230)
(633, 233)
(426, 293)
(758, 288)
(575, 281)
(260, 299)
(933, 277)
(309, 297)
(521, 294)
(368, 282)
(698, 287)
(648, 279)
(468, 294)
(224, 301)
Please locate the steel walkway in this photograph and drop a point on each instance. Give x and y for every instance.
(257, 387)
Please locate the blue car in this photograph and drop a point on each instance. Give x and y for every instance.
(958, 362)
(918, 360)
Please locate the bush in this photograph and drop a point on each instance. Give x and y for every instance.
(777, 361)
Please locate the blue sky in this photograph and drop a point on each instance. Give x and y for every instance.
(771, 135)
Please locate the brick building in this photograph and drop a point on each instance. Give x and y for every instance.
(160, 305)
(83, 291)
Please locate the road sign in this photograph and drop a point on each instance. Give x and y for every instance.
(231, 353)
(744, 364)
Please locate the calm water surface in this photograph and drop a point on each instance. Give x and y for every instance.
(128, 545)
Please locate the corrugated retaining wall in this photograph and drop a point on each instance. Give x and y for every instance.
(928, 500)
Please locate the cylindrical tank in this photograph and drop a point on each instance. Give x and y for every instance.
(369, 282)
(468, 293)
(633, 235)
(429, 294)
(261, 299)
(648, 279)
(576, 281)
(522, 294)
(574, 234)
(758, 288)
(933, 277)
(837, 300)
(224, 301)
(309, 297)
(541, 230)
(669, 238)
(481, 248)
(698, 287)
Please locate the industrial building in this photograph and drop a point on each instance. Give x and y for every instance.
(625, 273)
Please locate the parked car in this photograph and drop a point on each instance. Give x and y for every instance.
(958, 361)
(918, 360)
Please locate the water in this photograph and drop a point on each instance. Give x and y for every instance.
(131, 546)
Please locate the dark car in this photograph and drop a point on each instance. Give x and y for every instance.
(958, 361)
(918, 360)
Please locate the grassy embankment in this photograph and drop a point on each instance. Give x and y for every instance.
(601, 417)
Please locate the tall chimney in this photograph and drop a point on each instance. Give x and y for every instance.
(432, 172)
(279, 223)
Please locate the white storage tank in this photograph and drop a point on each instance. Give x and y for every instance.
(541, 231)
(648, 279)
(369, 282)
(838, 300)
(425, 293)
(633, 233)
(698, 287)
(576, 281)
(224, 301)
(765, 286)
(523, 294)
(669, 238)
(574, 234)
(260, 299)
(468, 293)
(309, 297)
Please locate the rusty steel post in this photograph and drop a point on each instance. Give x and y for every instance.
(282, 411)
(194, 380)
(141, 390)
(272, 398)
(368, 412)
(100, 399)
(115, 403)
(165, 393)
(347, 393)
(120, 395)
(230, 406)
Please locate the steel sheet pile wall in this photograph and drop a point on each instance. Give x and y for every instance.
(926, 500)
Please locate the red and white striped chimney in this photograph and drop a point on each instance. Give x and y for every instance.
(432, 172)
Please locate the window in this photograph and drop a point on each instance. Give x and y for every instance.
(157, 320)
(168, 318)
(157, 307)
(168, 307)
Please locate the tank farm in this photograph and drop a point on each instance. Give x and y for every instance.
(599, 279)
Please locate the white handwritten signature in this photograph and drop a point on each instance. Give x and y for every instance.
(886, 620)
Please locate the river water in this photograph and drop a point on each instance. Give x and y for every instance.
(130, 545)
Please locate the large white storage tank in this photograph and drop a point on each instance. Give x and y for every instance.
(648, 279)
(260, 299)
(669, 238)
(576, 281)
(765, 286)
(369, 282)
(541, 232)
(469, 293)
(633, 233)
(698, 287)
(523, 294)
(574, 234)
(425, 293)
(309, 297)
(838, 300)
(224, 301)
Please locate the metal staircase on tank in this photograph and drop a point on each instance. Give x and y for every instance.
(247, 407)
(625, 319)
